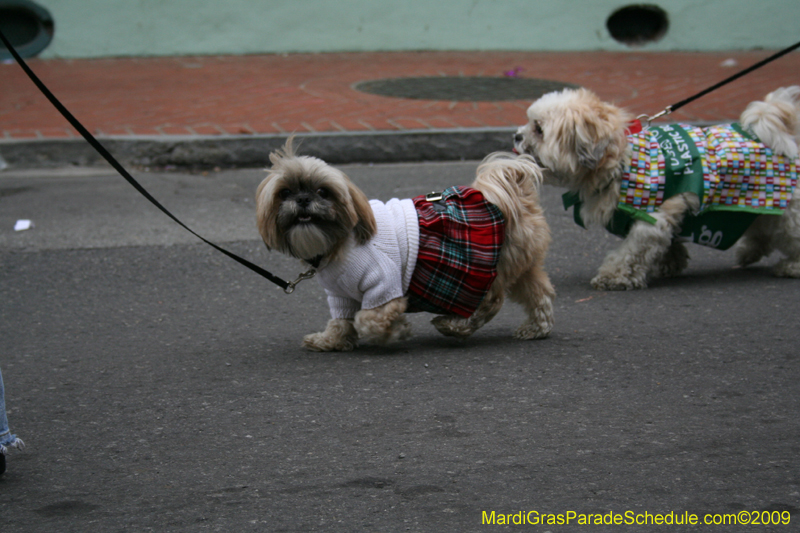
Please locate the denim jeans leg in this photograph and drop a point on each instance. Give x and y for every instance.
(6, 438)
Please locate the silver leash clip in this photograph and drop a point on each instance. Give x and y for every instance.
(645, 119)
(304, 276)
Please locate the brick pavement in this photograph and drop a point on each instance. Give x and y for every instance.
(269, 94)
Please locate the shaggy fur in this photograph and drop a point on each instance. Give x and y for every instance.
(308, 209)
(580, 142)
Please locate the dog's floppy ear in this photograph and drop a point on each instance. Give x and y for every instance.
(266, 216)
(592, 137)
(365, 227)
(591, 155)
(591, 129)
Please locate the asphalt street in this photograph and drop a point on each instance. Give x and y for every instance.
(160, 386)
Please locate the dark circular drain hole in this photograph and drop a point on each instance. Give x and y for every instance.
(462, 88)
(637, 25)
(27, 25)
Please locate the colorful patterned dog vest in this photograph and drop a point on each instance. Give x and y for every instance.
(460, 237)
(735, 176)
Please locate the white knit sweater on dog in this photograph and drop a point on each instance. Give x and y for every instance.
(370, 275)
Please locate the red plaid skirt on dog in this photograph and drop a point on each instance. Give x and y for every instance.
(460, 237)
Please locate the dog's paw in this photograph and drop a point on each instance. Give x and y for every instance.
(453, 326)
(323, 342)
(396, 331)
(607, 283)
(528, 331)
(675, 260)
(747, 255)
(787, 269)
(339, 336)
(384, 324)
(538, 326)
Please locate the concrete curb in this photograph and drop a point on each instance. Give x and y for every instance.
(253, 150)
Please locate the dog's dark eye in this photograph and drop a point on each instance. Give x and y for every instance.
(323, 192)
(284, 194)
(537, 129)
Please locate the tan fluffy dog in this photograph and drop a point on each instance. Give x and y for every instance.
(365, 260)
(582, 145)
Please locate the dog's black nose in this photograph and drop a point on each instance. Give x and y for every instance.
(303, 199)
(517, 137)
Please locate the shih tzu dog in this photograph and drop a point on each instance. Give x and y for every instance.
(458, 253)
(672, 183)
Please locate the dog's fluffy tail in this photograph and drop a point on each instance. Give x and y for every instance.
(511, 182)
(776, 120)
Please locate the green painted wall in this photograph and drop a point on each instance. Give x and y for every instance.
(97, 28)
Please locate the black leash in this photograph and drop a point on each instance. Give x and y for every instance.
(669, 109)
(286, 286)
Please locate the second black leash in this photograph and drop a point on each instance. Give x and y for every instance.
(288, 287)
(670, 108)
